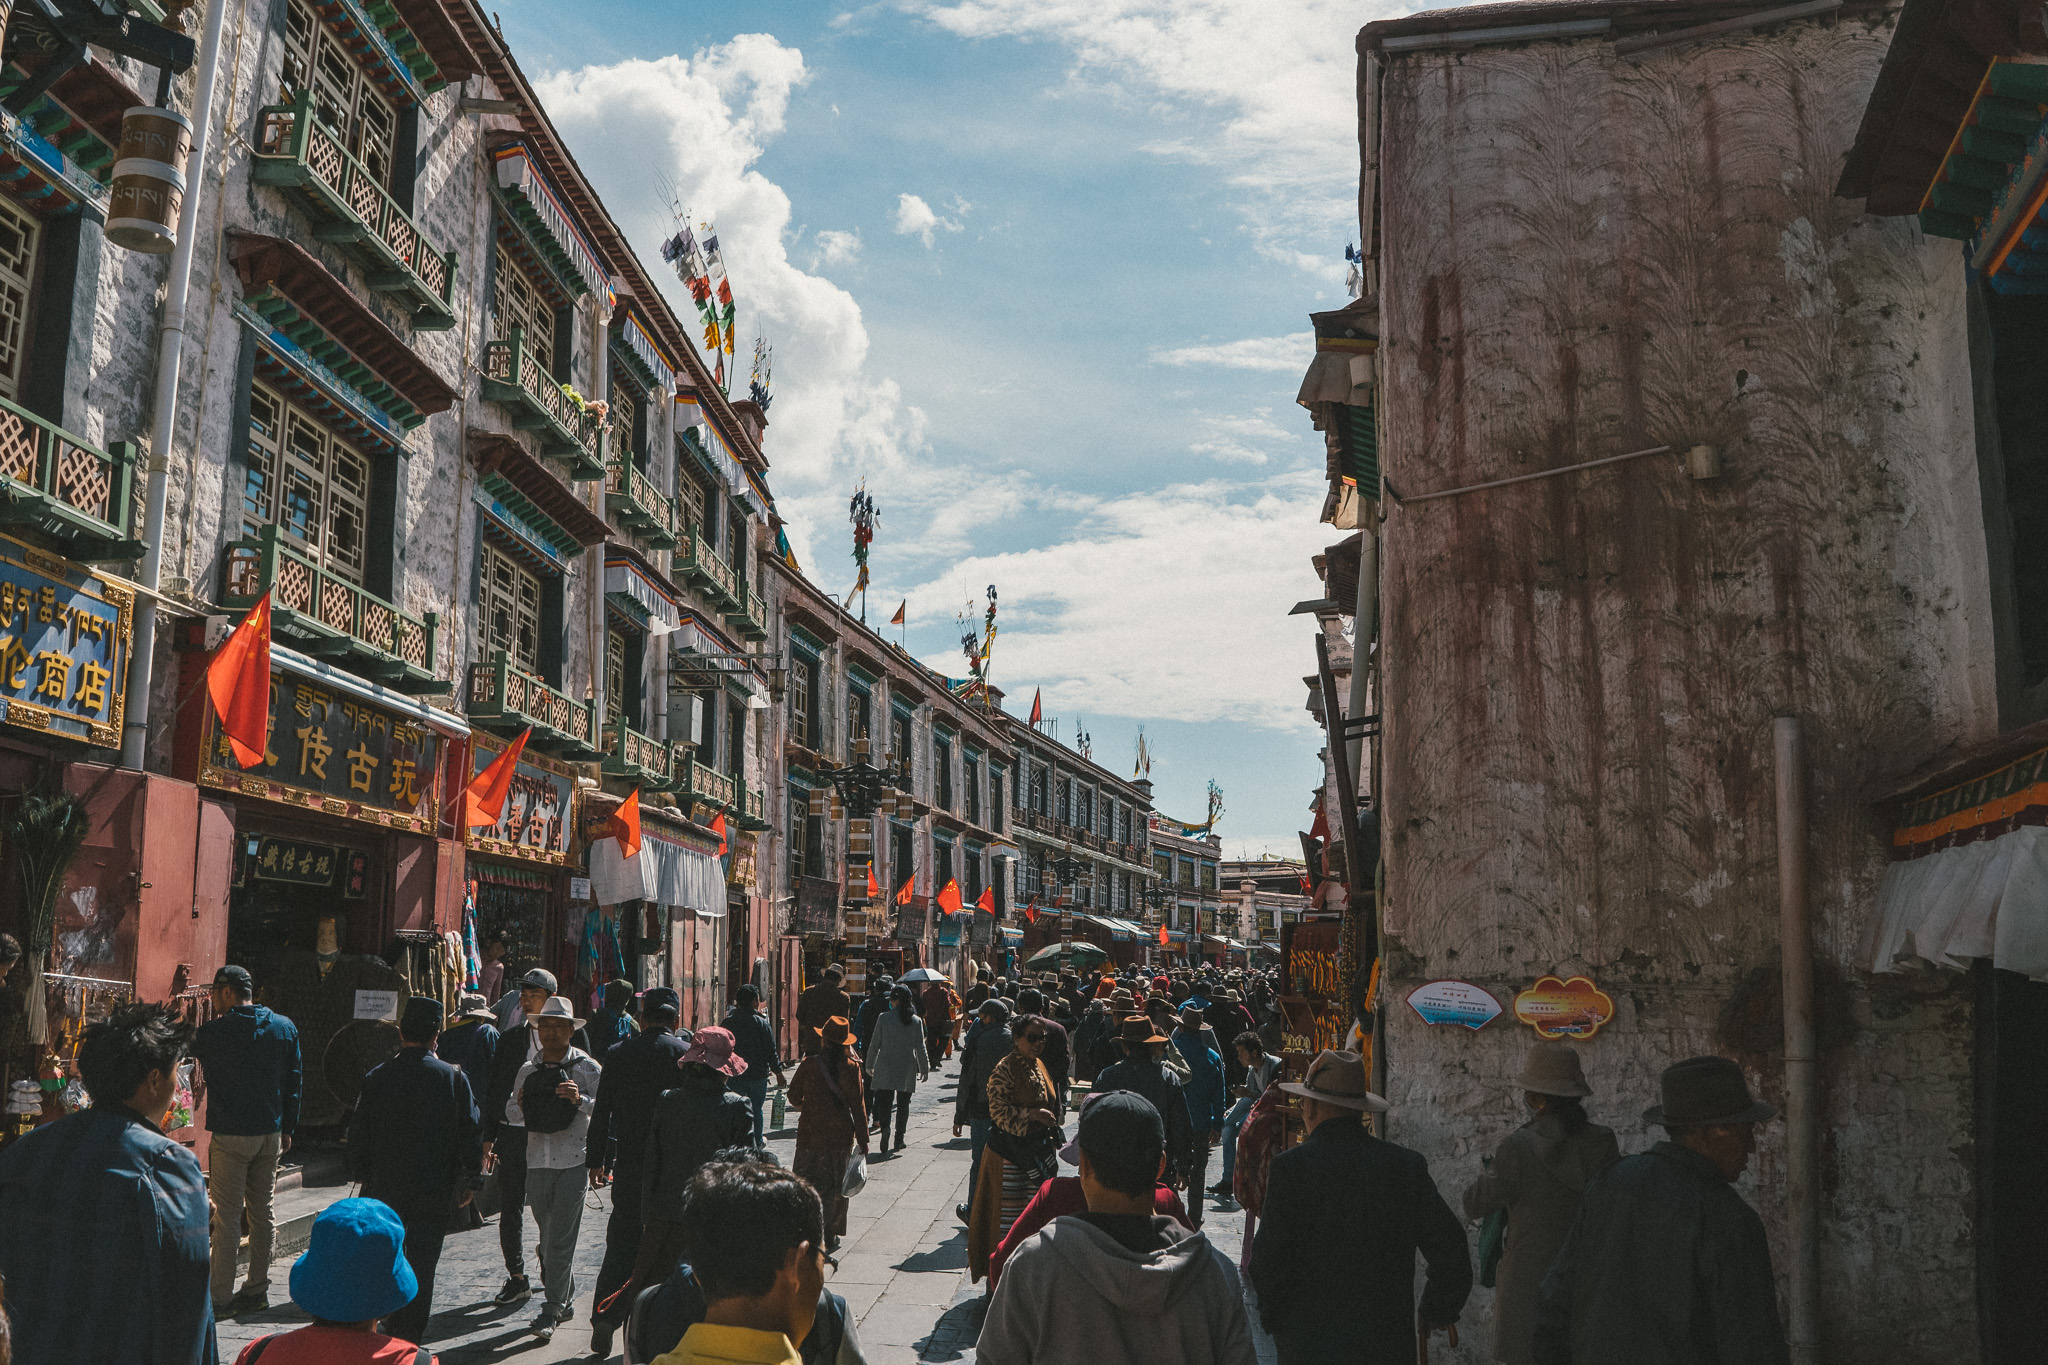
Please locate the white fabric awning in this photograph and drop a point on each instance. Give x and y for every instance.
(1337, 377)
(663, 872)
(1985, 899)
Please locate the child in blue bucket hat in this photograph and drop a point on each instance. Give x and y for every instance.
(353, 1273)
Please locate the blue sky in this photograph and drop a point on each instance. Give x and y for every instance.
(1039, 273)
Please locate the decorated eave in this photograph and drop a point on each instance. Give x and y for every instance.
(299, 300)
(387, 50)
(634, 586)
(547, 217)
(648, 358)
(546, 146)
(78, 120)
(1342, 369)
(426, 36)
(534, 499)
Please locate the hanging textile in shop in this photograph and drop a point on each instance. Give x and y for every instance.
(64, 635)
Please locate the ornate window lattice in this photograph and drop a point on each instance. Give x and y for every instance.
(508, 610)
(614, 675)
(307, 483)
(344, 98)
(19, 235)
(517, 302)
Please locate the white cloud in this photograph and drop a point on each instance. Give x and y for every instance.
(702, 122)
(1280, 73)
(1282, 355)
(836, 248)
(1242, 440)
(1166, 602)
(914, 218)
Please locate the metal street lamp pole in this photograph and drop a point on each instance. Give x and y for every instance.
(860, 787)
(1067, 869)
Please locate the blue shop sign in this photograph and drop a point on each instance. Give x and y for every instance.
(64, 641)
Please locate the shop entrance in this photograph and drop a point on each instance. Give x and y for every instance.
(512, 903)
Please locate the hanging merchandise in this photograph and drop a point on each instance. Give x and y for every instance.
(599, 960)
(472, 952)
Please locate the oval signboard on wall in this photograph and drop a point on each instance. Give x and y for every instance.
(1557, 1008)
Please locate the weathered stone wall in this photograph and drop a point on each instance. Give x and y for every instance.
(1586, 255)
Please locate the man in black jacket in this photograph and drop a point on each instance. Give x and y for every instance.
(637, 1071)
(1143, 1071)
(1345, 1214)
(1664, 1261)
(697, 1118)
(753, 1040)
(505, 1134)
(415, 1144)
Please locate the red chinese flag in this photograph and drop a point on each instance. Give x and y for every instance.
(483, 800)
(903, 891)
(949, 897)
(1031, 913)
(717, 827)
(988, 900)
(1321, 828)
(626, 825)
(1165, 939)
(238, 684)
(1037, 705)
(874, 887)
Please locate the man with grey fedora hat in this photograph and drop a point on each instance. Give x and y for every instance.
(1536, 1178)
(1665, 1264)
(1345, 1215)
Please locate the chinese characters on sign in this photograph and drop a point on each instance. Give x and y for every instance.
(329, 751)
(64, 634)
(1454, 1002)
(536, 820)
(288, 860)
(1574, 1008)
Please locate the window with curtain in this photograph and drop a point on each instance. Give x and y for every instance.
(971, 779)
(307, 482)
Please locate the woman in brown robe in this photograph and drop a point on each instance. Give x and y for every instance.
(832, 1120)
(1020, 1102)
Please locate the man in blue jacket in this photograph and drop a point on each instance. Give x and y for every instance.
(249, 1063)
(103, 1234)
(1206, 1099)
(416, 1143)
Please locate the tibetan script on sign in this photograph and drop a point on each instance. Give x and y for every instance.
(536, 820)
(331, 751)
(64, 634)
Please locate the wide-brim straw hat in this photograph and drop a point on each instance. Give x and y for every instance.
(1138, 1028)
(557, 1007)
(1337, 1078)
(1553, 1069)
(1704, 1091)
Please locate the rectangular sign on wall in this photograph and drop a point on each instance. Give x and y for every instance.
(64, 639)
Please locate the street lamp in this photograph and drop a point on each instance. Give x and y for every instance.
(861, 787)
(1157, 898)
(1067, 869)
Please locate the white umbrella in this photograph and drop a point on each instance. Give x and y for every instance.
(920, 974)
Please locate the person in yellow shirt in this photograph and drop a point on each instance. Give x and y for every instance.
(757, 1239)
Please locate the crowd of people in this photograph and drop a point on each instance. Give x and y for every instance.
(116, 1247)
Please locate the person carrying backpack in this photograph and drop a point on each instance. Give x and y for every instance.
(553, 1096)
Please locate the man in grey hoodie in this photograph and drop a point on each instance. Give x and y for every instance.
(1118, 1285)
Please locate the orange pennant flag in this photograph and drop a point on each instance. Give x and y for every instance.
(1164, 938)
(1037, 705)
(902, 607)
(626, 824)
(949, 897)
(718, 828)
(238, 684)
(1031, 913)
(874, 887)
(988, 900)
(903, 891)
(483, 800)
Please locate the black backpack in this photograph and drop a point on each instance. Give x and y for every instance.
(545, 1111)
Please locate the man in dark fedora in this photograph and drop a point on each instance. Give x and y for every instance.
(1142, 1070)
(1345, 1214)
(1665, 1264)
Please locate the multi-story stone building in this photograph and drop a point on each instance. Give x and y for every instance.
(1201, 918)
(429, 402)
(1270, 897)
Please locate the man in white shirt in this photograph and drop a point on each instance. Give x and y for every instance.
(556, 1122)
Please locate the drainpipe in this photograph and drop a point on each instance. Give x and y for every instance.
(170, 354)
(1802, 1128)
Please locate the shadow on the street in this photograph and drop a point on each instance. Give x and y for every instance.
(950, 1254)
(958, 1144)
(500, 1347)
(955, 1333)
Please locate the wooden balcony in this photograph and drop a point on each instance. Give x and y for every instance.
(632, 500)
(325, 614)
(636, 757)
(296, 152)
(748, 615)
(748, 813)
(62, 493)
(696, 562)
(567, 430)
(697, 781)
(504, 699)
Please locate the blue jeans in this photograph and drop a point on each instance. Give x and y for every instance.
(755, 1088)
(1232, 1122)
(977, 1133)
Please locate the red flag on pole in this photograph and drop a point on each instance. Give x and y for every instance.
(874, 888)
(949, 897)
(483, 800)
(718, 828)
(238, 684)
(988, 900)
(897, 619)
(1321, 828)
(1031, 913)
(626, 825)
(903, 891)
(1037, 705)
(1165, 939)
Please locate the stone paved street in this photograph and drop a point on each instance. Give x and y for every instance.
(902, 1269)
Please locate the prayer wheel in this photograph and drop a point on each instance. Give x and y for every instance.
(149, 180)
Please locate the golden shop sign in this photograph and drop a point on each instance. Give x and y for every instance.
(536, 822)
(64, 640)
(333, 752)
